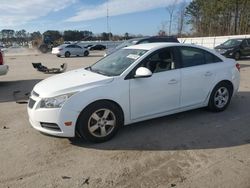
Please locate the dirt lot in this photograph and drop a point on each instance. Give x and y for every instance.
(191, 149)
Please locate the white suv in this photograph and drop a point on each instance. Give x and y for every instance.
(133, 84)
(3, 68)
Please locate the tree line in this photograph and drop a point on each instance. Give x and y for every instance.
(218, 17)
(22, 37)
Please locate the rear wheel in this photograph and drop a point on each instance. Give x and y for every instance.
(67, 54)
(86, 53)
(99, 122)
(220, 97)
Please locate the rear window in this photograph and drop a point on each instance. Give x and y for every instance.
(159, 39)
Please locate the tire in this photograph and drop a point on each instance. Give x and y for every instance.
(43, 48)
(67, 54)
(237, 56)
(99, 122)
(220, 97)
(86, 53)
(58, 55)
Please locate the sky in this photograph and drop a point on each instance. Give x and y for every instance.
(133, 16)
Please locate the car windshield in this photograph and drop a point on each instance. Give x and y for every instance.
(117, 62)
(232, 42)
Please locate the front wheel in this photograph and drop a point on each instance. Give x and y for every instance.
(99, 122)
(220, 97)
(237, 56)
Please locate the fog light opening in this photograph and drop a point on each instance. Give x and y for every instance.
(68, 123)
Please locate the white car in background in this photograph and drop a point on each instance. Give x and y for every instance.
(68, 50)
(133, 84)
(3, 68)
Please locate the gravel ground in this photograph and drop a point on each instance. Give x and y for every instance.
(191, 149)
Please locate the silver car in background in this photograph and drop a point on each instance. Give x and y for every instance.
(68, 50)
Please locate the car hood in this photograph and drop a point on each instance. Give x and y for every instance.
(68, 82)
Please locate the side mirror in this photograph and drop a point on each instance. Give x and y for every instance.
(143, 72)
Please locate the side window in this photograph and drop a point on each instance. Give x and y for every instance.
(160, 61)
(248, 42)
(70, 46)
(192, 56)
(244, 43)
(77, 46)
(210, 58)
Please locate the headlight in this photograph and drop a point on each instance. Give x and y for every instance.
(222, 51)
(55, 102)
(229, 49)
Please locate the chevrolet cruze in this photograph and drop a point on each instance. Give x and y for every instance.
(133, 84)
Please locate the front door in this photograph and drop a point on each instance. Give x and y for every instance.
(160, 92)
(245, 47)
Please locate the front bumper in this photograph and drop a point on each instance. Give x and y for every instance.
(228, 54)
(4, 69)
(51, 120)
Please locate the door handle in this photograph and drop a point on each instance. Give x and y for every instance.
(208, 74)
(173, 81)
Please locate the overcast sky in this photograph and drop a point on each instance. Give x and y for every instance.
(133, 16)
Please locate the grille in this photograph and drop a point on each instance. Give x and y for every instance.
(50, 126)
(31, 103)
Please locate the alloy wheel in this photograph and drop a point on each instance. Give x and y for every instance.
(101, 123)
(221, 97)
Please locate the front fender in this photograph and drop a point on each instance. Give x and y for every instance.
(119, 94)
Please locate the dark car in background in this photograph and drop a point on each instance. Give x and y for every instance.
(235, 48)
(142, 40)
(97, 47)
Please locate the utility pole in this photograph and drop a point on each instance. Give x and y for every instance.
(108, 28)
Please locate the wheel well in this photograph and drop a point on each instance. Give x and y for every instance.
(229, 83)
(104, 100)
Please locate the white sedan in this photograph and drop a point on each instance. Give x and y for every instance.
(133, 84)
(68, 50)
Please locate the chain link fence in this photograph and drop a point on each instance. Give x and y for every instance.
(210, 42)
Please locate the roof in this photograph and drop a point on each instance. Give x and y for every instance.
(155, 46)
(150, 46)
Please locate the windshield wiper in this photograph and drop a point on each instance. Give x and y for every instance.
(97, 71)
(100, 72)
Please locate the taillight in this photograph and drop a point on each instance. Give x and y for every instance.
(238, 66)
(1, 58)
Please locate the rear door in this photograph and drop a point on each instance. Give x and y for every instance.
(71, 49)
(198, 74)
(79, 50)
